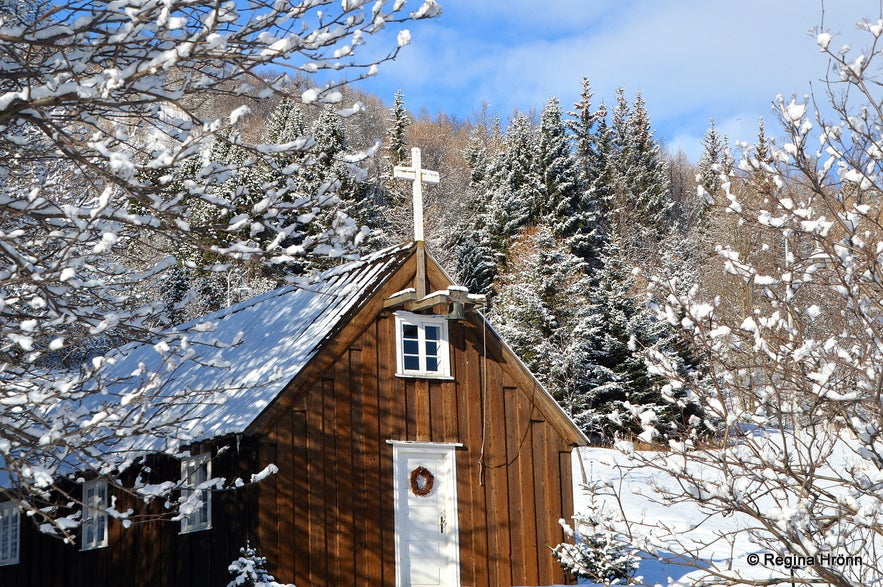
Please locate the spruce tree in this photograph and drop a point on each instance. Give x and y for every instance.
(397, 132)
(344, 197)
(514, 183)
(560, 200)
(603, 177)
(477, 260)
(596, 550)
(582, 128)
(539, 309)
(642, 197)
(250, 570)
(618, 328)
(621, 395)
(286, 123)
(711, 161)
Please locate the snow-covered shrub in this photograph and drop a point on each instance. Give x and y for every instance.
(249, 570)
(597, 551)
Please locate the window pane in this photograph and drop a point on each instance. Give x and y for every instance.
(431, 364)
(5, 535)
(412, 363)
(411, 347)
(409, 331)
(431, 348)
(195, 471)
(9, 522)
(433, 332)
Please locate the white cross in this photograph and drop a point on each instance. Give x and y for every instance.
(418, 175)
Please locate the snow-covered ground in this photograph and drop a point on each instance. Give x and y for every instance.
(711, 538)
(688, 535)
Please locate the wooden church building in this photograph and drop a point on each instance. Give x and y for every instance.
(409, 447)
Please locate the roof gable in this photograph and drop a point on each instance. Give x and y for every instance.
(220, 374)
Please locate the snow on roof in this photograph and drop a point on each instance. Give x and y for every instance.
(232, 364)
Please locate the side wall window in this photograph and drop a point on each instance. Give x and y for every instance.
(94, 514)
(422, 345)
(9, 533)
(196, 498)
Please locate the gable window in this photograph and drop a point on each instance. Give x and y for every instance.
(94, 514)
(9, 533)
(422, 345)
(196, 498)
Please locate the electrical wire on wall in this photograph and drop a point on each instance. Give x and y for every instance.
(483, 397)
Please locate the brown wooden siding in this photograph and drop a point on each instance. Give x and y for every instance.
(335, 438)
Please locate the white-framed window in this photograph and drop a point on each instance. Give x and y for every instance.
(95, 515)
(196, 497)
(422, 345)
(9, 533)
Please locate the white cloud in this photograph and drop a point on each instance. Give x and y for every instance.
(691, 60)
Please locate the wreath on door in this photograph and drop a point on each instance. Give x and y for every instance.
(422, 481)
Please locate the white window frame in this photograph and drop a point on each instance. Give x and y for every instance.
(95, 516)
(195, 473)
(422, 321)
(10, 533)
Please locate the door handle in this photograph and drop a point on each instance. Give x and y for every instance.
(441, 523)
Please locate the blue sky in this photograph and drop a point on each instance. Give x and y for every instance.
(692, 60)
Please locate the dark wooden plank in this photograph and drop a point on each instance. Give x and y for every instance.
(496, 482)
(520, 481)
(450, 411)
(369, 555)
(393, 413)
(316, 493)
(301, 470)
(285, 496)
(468, 392)
(565, 502)
(545, 470)
(267, 527)
(330, 489)
(344, 521)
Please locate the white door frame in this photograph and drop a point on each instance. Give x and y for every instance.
(403, 450)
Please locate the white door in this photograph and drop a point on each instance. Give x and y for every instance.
(425, 487)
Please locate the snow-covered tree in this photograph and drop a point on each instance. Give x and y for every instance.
(477, 259)
(592, 149)
(582, 128)
(596, 550)
(539, 311)
(798, 468)
(250, 570)
(514, 184)
(619, 395)
(100, 107)
(561, 196)
(398, 140)
(641, 195)
(713, 162)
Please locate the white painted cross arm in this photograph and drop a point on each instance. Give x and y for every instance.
(418, 175)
